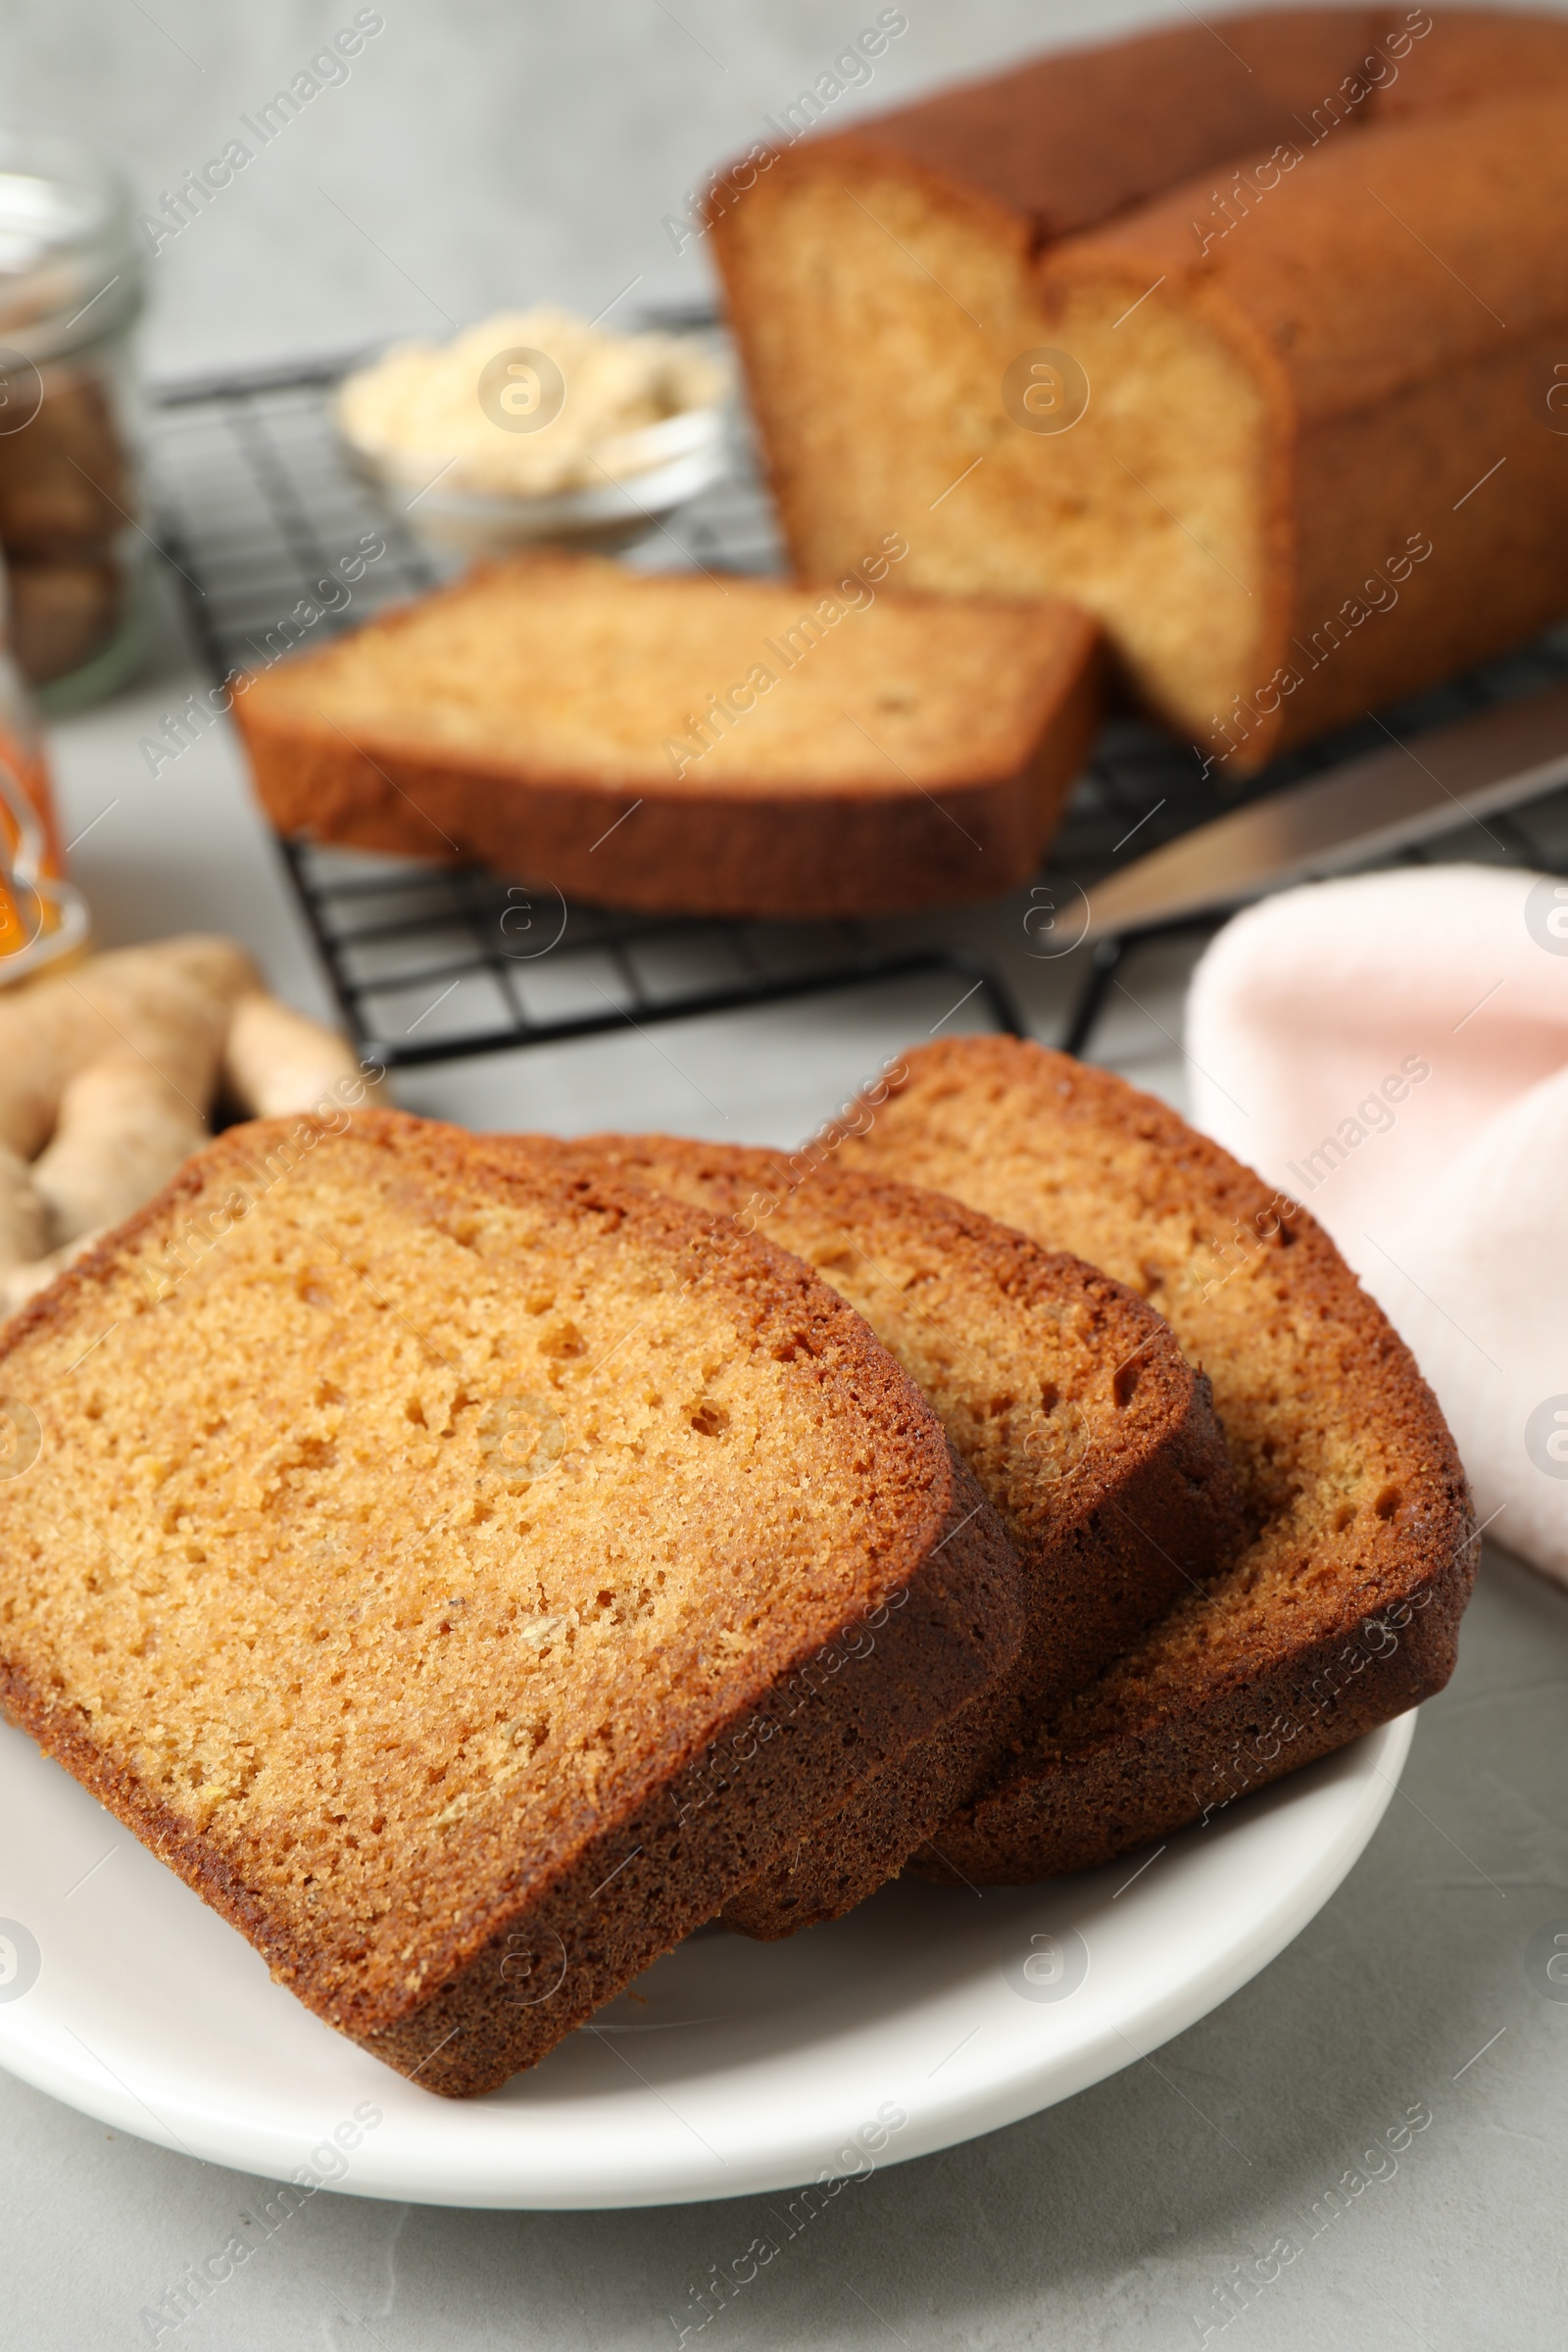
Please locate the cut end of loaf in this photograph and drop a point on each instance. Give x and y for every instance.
(1104, 445)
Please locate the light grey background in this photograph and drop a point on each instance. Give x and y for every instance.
(482, 152)
(497, 154)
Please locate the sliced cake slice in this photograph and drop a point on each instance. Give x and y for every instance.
(716, 745)
(467, 1580)
(1069, 1400)
(1342, 1609)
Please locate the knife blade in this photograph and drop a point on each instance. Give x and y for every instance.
(1473, 767)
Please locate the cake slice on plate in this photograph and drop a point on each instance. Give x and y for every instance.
(1342, 1608)
(467, 1580)
(1067, 1397)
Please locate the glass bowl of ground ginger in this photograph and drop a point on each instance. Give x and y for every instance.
(537, 427)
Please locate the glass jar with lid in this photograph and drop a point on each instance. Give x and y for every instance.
(71, 292)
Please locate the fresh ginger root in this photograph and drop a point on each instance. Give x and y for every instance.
(276, 1061)
(171, 1002)
(122, 1131)
(23, 1218)
(108, 1074)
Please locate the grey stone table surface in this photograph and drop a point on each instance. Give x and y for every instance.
(491, 154)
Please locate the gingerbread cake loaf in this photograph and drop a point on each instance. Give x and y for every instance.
(737, 746)
(1342, 1608)
(1066, 1396)
(466, 1579)
(1241, 335)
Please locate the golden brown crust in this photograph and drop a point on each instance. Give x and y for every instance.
(894, 1821)
(1065, 140)
(1392, 388)
(1342, 1610)
(738, 846)
(1145, 1513)
(1086, 1803)
(1471, 56)
(931, 1618)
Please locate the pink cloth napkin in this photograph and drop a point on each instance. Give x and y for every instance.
(1393, 1052)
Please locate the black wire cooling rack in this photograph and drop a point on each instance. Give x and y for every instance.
(258, 511)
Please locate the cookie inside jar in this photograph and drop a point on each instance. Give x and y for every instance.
(71, 290)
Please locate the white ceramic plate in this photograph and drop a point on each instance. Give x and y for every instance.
(928, 2016)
